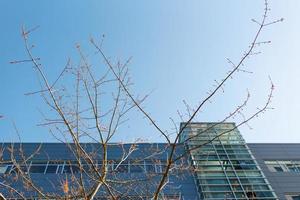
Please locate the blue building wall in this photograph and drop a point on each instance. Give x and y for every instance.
(181, 183)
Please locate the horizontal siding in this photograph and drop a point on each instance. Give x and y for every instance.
(282, 182)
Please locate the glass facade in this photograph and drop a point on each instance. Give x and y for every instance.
(224, 166)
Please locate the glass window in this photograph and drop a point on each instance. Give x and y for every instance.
(278, 168)
(171, 197)
(251, 195)
(51, 169)
(292, 168)
(37, 169)
(274, 166)
(110, 165)
(134, 168)
(39, 162)
(122, 168)
(71, 169)
(60, 167)
(158, 168)
(23, 168)
(283, 165)
(247, 180)
(215, 181)
(3, 169)
(216, 188)
(150, 168)
(293, 197)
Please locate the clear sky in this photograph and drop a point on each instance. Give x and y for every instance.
(178, 47)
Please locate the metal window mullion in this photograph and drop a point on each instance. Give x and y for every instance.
(233, 169)
(196, 179)
(63, 166)
(222, 163)
(200, 185)
(29, 166)
(158, 167)
(192, 163)
(46, 167)
(57, 167)
(128, 166)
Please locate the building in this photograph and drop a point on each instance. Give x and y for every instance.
(225, 167)
(55, 163)
(215, 164)
(281, 166)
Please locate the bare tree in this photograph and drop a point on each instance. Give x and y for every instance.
(89, 110)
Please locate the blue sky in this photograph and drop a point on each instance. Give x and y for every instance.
(178, 47)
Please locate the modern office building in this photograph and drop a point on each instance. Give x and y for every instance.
(215, 164)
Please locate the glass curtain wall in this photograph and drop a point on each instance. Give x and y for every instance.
(223, 164)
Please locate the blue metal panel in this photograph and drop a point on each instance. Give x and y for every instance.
(178, 183)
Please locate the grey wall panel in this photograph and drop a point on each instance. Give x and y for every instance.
(282, 182)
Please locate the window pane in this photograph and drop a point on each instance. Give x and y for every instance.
(71, 169)
(37, 169)
(60, 167)
(278, 169)
(137, 168)
(122, 168)
(3, 169)
(150, 168)
(51, 169)
(15, 169)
